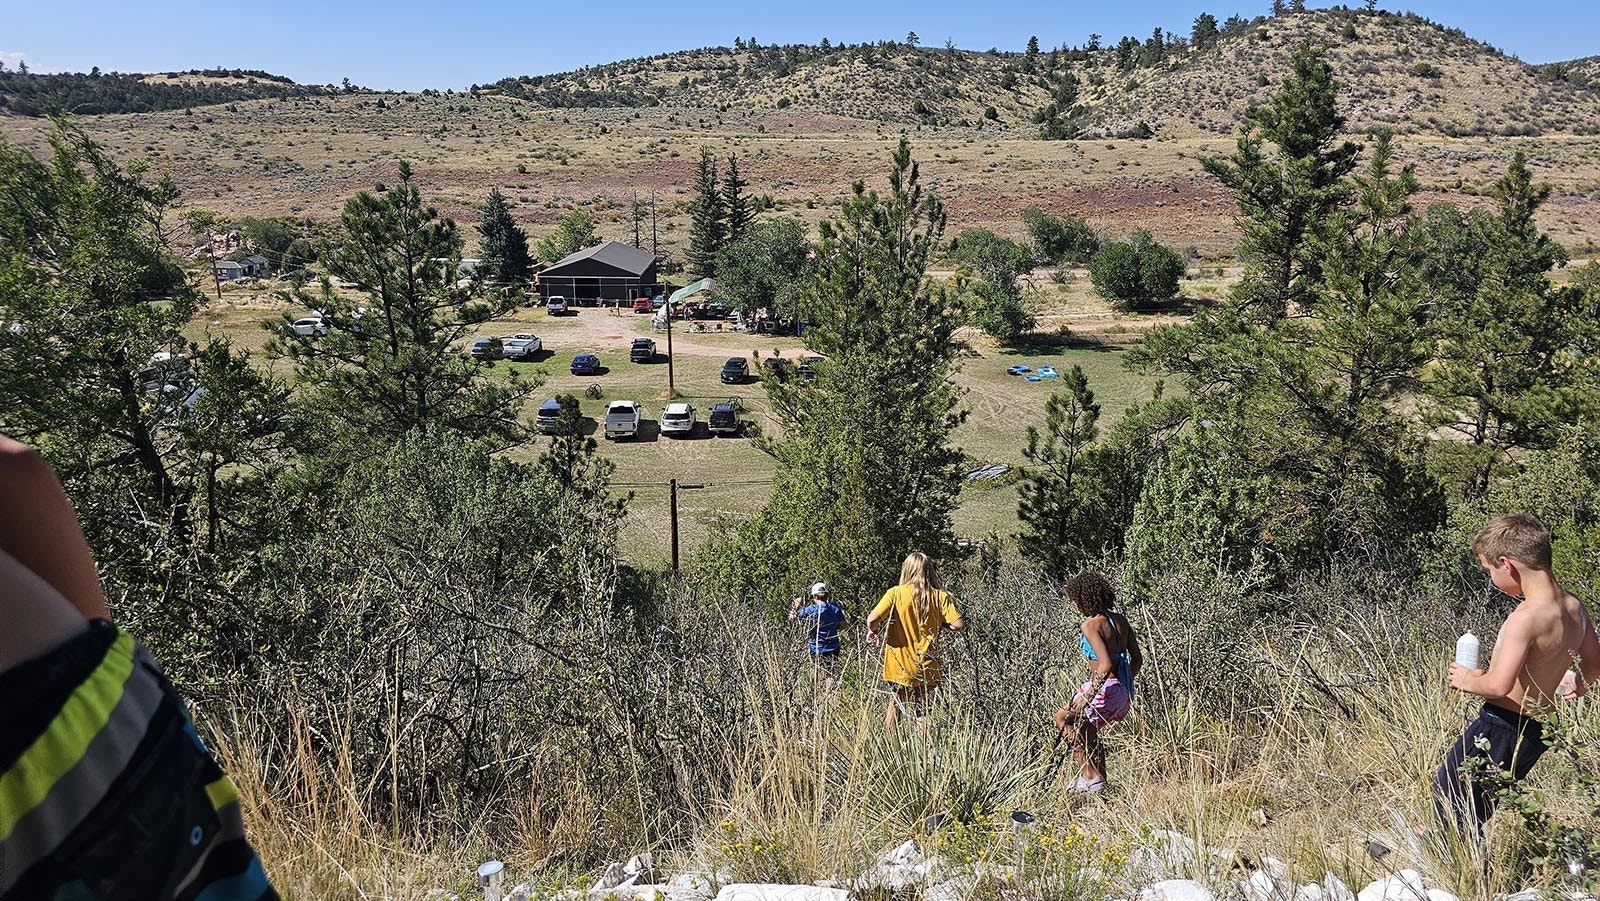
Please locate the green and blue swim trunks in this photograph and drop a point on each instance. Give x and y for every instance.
(106, 791)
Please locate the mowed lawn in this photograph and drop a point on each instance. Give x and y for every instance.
(734, 475)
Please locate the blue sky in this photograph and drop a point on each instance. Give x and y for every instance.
(408, 44)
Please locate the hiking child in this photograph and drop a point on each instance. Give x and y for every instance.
(824, 619)
(1536, 645)
(915, 611)
(105, 790)
(1112, 650)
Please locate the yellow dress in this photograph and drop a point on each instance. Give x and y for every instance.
(908, 657)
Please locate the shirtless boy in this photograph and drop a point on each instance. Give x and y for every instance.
(1539, 641)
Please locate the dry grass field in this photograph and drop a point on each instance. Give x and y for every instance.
(736, 475)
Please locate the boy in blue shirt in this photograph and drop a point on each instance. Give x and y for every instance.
(825, 619)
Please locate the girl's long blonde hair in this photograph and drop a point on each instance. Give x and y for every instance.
(923, 576)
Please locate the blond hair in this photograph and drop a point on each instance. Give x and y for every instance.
(1519, 536)
(920, 573)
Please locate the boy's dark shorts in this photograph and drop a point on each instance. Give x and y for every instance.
(106, 791)
(1515, 742)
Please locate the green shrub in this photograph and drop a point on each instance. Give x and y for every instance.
(1136, 271)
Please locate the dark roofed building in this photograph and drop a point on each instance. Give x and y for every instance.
(610, 271)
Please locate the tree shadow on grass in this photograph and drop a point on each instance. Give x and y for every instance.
(1038, 343)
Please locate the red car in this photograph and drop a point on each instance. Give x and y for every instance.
(642, 305)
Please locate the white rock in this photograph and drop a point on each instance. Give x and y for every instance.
(1524, 895)
(522, 892)
(1278, 870)
(1176, 890)
(957, 889)
(613, 876)
(689, 887)
(1335, 890)
(1439, 894)
(1405, 885)
(1169, 854)
(906, 853)
(1310, 893)
(1259, 887)
(898, 876)
(641, 865)
(758, 891)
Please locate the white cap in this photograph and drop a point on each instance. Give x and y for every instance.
(819, 588)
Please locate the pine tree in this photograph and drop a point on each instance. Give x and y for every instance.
(1050, 496)
(1505, 379)
(866, 469)
(393, 361)
(707, 220)
(1030, 57)
(1282, 195)
(1204, 33)
(735, 206)
(503, 246)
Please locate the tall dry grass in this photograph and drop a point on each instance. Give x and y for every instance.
(1299, 735)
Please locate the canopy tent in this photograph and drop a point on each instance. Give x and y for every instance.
(702, 286)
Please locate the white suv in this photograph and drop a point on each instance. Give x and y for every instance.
(677, 419)
(556, 305)
(310, 327)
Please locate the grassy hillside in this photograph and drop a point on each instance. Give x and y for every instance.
(1403, 71)
(95, 93)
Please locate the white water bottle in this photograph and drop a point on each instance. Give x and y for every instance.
(1467, 651)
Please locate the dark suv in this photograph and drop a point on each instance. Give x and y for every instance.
(643, 350)
(585, 364)
(735, 371)
(724, 418)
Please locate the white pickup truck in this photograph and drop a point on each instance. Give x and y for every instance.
(622, 418)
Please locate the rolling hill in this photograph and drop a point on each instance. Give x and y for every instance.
(1400, 71)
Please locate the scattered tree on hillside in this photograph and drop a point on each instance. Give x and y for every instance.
(1507, 374)
(1051, 494)
(911, 39)
(393, 361)
(708, 222)
(994, 302)
(503, 246)
(1136, 271)
(1059, 239)
(164, 446)
(1204, 34)
(735, 206)
(1283, 195)
(574, 232)
(866, 470)
(765, 266)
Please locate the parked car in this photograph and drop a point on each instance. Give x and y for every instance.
(488, 349)
(548, 419)
(724, 418)
(585, 364)
(807, 370)
(642, 351)
(165, 372)
(677, 419)
(642, 305)
(556, 305)
(776, 369)
(310, 327)
(622, 418)
(522, 346)
(735, 371)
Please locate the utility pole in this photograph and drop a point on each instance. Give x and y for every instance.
(666, 308)
(672, 487)
(653, 246)
(636, 217)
